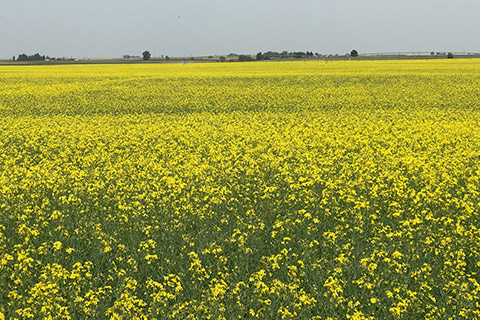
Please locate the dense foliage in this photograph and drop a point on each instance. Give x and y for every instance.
(293, 190)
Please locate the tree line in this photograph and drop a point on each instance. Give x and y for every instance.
(296, 55)
(37, 57)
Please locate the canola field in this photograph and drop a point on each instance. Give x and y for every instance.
(263, 190)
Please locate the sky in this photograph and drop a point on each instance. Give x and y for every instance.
(113, 28)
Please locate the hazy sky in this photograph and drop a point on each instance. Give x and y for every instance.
(112, 28)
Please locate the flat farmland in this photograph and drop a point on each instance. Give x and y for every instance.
(269, 190)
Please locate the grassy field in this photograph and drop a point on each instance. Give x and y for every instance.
(279, 190)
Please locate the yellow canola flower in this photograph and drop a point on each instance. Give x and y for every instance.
(57, 245)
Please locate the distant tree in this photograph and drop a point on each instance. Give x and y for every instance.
(432, 53)
(244, 57)
(222, 59)
(13, 58)
(260, 56)
(450, 55)
(37, 56)
(354, 53)
(146, 55)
